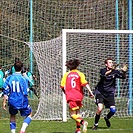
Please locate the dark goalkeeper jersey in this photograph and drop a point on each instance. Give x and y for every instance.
(107, 83)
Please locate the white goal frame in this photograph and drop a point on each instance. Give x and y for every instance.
(65, 31)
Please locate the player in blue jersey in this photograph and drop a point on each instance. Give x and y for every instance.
(105, 90)
(16, 88)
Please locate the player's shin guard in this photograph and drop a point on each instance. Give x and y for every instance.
(26, 123)
(27, 120)
(13, 127)
(76, 118)
(111, 113)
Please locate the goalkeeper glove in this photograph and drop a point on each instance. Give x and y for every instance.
(124, 67)
(115, 66)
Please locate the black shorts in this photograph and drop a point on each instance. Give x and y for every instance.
(107, 101)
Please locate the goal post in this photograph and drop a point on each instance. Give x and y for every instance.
(100, 44)
(64, 117)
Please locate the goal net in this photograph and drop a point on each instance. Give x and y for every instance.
(92, 47)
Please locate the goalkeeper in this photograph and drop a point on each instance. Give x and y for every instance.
(105, 90)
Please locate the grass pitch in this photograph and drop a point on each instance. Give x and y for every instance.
(118, 125)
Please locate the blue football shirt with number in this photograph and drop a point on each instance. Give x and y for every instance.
(16, 88)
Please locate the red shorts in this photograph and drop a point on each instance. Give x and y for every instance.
(74, 105)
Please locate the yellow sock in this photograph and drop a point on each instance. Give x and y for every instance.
(76, 118)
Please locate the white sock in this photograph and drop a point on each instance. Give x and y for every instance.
(13, 131)
(24, 126)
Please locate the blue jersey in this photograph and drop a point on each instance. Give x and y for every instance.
(16, 88)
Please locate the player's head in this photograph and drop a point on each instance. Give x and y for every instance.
(18, 66)
(109, 63)
(72, 64)
(106, 61)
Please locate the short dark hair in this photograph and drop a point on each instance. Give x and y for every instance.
(109, 58)
(18, 66)
(72, 63)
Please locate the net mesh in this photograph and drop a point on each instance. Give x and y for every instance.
(92, 49)
(49, 18)
(48, 56)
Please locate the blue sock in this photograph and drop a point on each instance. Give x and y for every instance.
(27, 120)
(12, 125)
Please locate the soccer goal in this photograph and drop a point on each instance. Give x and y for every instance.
(92, 47)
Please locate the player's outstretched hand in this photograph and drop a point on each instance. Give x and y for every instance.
(124, 68)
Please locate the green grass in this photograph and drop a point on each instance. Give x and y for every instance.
(119, 125)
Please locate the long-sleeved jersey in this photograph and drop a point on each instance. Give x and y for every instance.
(107, 84)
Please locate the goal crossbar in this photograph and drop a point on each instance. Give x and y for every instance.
(97, 31)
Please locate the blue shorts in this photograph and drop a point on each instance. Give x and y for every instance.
(23, 112)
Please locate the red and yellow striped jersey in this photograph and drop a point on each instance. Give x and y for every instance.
(73, 83)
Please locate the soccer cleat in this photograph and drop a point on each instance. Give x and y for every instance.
(22, 132)
(95, 127)
(107, 122)
(85, 127)
(78, 130)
